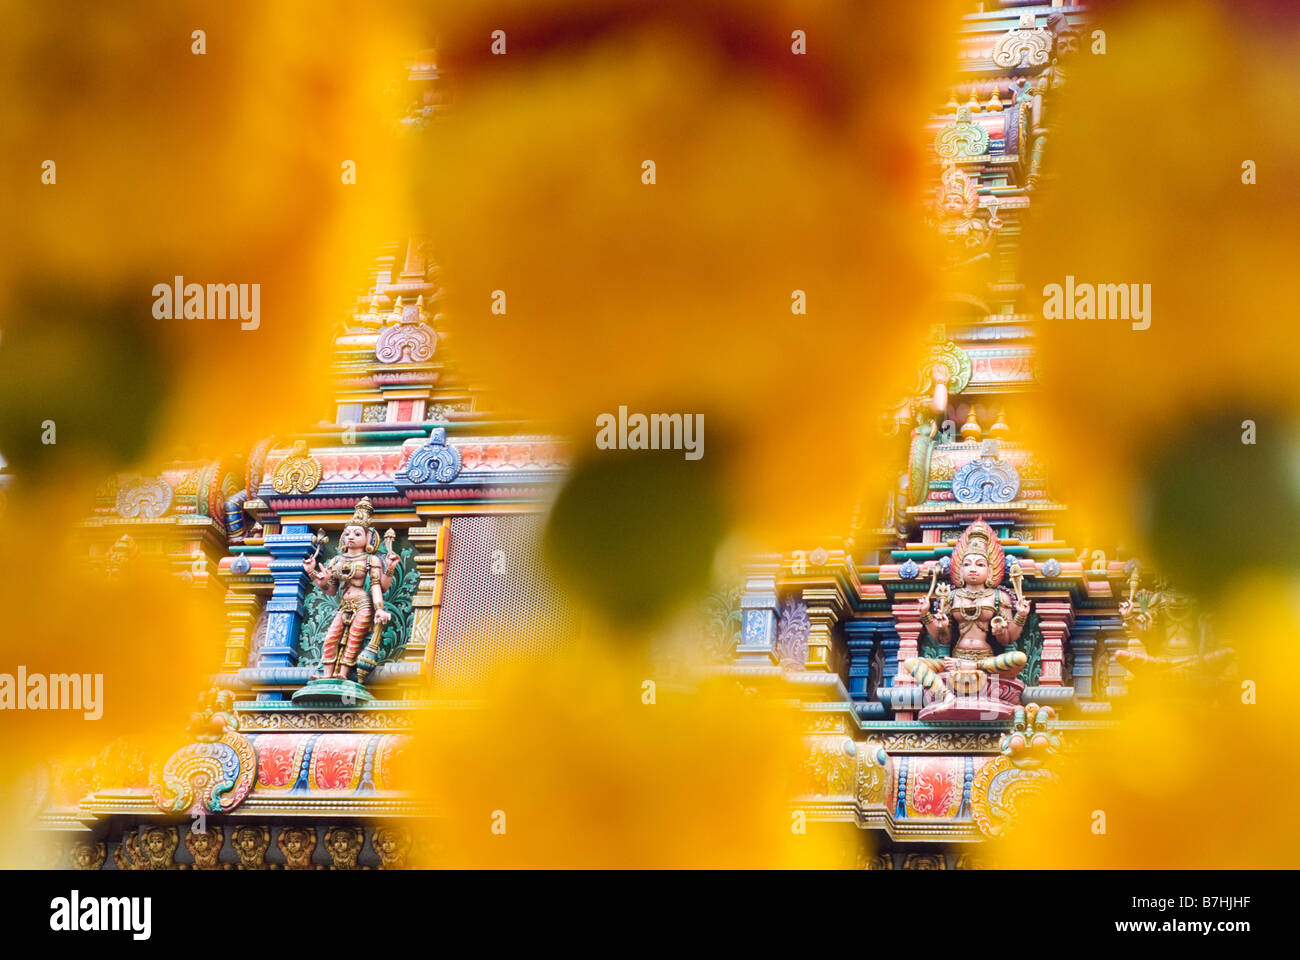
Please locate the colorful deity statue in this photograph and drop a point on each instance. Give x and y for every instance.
(359, 608)
(1181, 654)
(968, 235)
(977, 619)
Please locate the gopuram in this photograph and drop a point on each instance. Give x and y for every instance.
(353, 559)
(951, 649)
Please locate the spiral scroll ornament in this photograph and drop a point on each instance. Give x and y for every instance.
(207, 776)
(999, 789)
(147, 500)
(986, 480)
(299, 472)
(961, 138)
(409, 339)
(406, 343)
(1027, 44)
(436, 459)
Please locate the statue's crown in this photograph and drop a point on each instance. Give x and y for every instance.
(362, 513)
(955, 181)
(979, 539)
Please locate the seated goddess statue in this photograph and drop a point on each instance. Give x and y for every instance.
(978, 619)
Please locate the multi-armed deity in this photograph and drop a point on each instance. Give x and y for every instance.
(977, 618)
(358, 572)
(968, 235)
(1180, 655)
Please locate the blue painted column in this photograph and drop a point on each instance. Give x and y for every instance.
(1111, 639)
(1083, 642)
(860, 636)
(758, 608)
(890, 640)
(284, 610)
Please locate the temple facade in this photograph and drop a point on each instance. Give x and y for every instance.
(294, 755)
(953, 647)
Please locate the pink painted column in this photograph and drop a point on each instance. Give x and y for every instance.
(908, 624)
(1055, 617)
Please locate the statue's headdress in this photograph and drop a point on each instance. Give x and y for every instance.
(955, 182)
(361, 515)
(979, 538)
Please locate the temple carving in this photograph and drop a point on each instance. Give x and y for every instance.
(952, 646)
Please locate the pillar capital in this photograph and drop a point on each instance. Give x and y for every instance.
(825, 604)
(1055, 617)
(758, 611)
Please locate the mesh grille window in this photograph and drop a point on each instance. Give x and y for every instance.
(498, 599)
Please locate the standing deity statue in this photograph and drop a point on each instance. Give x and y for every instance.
(977, 618)
(343, 656)
(1180, 654)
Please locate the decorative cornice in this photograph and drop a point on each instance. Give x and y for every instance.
(366, 720)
